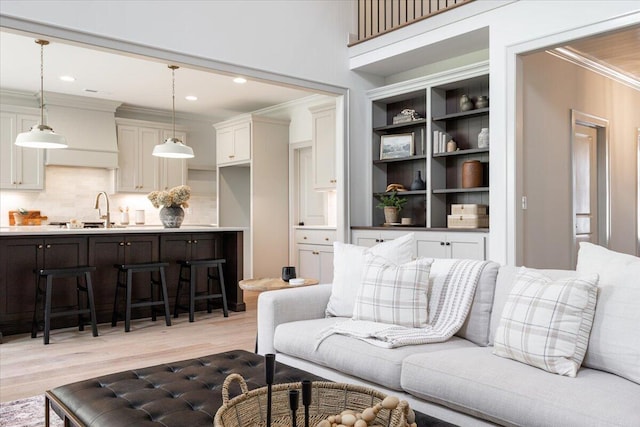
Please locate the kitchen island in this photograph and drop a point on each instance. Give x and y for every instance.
(26, 248)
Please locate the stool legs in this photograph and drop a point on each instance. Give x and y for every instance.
(222, 291)
(125, 281)
(191, 268)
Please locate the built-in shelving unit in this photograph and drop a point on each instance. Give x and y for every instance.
(438, 108)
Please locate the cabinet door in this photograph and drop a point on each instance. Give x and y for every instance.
(148, 165)
(127, 175)
(432, 245)
(8, 133)
(62, 252)
(242, 142)
(29, 161)
(173, 172)
(324, 149)
(464, 246)
(224, 146)
(308, 262)
(326, 265)
(18, 259)
(104, 252)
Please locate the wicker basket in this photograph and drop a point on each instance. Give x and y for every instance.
(250, 408)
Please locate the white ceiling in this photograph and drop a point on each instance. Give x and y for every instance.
(132, 81)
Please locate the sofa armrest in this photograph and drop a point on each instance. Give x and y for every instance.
(288, 305)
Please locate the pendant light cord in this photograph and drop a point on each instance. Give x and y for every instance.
(173, 96)
(42, 43)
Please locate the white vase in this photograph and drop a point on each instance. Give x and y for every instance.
(483, 138)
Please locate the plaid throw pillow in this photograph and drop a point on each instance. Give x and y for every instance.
(546, 323)
(392, 293)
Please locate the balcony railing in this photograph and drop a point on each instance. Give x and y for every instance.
(376, 17)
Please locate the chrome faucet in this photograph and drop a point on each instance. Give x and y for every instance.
(107, 217)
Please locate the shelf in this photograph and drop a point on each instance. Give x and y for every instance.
(461, 190)
(401, 159)
(403, 193)
(410, 124)
(463, 152)
(463, 114)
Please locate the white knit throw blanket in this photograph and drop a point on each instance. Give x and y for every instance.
(450, 297)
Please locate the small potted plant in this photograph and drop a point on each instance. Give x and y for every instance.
(392, 205)
(172, 202)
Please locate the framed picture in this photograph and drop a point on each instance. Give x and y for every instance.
(396, 146)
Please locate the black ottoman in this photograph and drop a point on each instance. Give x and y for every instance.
(186, 393)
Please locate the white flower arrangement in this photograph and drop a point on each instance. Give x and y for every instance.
(177, 196)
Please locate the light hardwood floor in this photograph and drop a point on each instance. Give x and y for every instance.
(28, 367)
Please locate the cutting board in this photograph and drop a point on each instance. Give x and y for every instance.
(30, 218)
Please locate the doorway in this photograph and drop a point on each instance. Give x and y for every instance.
(590, 191)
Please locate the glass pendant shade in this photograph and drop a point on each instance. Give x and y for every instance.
(173, 147)
(41, 135)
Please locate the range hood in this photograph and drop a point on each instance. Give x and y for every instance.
(89, 126)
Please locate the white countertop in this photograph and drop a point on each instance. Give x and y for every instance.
(48, 230)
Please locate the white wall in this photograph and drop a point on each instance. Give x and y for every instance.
(552, 87)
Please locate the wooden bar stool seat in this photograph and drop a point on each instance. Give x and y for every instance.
(44, 295)
(125, 281)
(188, 275)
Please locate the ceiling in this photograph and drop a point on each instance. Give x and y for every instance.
(133, 81)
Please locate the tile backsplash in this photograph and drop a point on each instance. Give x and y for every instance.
(71, 192)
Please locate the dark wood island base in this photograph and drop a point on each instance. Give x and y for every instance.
(21, 252)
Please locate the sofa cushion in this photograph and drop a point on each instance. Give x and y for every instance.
(348, 261)
(351, 356)
(476, 326)
(614, 345)
(476, 382)
(546, 323)
(504, 283)
(393, 293)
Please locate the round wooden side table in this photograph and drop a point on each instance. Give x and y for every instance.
(271, 284)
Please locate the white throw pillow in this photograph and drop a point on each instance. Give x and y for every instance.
(393, 293)
(348, 261)
(614, 345)
(546, 323)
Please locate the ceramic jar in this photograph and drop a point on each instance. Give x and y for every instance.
(171, 216)
(483, 138)
(465, 103)
(472, 174)
(482, 102)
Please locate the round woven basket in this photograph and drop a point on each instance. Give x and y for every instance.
(250, 408)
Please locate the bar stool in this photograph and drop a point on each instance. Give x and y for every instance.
(191, 267)
(125, 280)
(43, 298)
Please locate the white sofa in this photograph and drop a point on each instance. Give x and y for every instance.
(461, 380)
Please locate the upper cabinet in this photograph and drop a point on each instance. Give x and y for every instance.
(20, 168)
(324, 146)
(138, 170)
(233, 142)
(411, 149)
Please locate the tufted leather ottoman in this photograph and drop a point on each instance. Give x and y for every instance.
(186, 393)
(180, 394)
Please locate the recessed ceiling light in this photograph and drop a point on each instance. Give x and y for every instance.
(191, 98)
(67, 78)
(240, 80)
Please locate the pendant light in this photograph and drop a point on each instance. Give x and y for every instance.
(41, 135)
(173, 147)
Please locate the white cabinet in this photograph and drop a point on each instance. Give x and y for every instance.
(314, 251)
(138, 170)
(172, 172)
(233, 143)
(20, 168)
(451, 245)
(253, 192)
(136, 166)
(370, 238)
(324, 146)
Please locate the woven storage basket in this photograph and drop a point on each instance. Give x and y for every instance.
(250, 408)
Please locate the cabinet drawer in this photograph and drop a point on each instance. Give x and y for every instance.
(315, 237)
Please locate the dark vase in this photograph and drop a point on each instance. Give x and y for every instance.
(171, 216)
(288, 273)
(418, 183)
